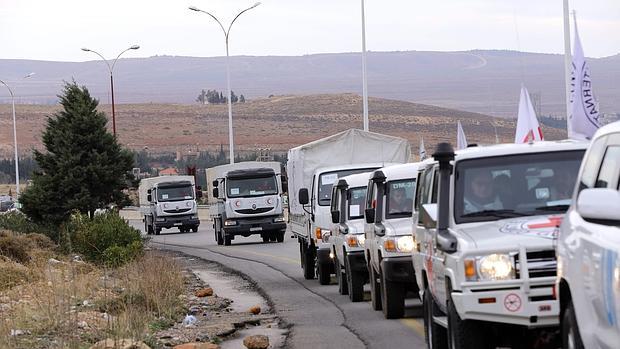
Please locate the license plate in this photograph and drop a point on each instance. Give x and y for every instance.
(256, 229)
(177, 224)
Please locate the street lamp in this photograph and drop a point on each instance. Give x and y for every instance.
(15, 135)
(111, 69)
(226, 36)
(364, 79)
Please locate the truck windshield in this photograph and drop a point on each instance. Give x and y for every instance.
(400, 196)
(172, 193)
(493, 188)
(357, 199)
(244, 187)
(326, 180)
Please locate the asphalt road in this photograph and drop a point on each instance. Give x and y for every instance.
(319, 317)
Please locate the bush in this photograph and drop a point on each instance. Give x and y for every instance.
(15, 248)
(106, 239)
(13, 274)
(20, 223)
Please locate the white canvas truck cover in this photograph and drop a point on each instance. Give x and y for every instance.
(353, 146)
(216, 172)
(149, 183)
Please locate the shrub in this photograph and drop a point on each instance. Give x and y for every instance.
(20, 223)
(15, 248)
(13, 274)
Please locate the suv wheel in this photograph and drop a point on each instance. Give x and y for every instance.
(322, 271)
(355, 282)
(392, 298)
(571, 338)
(434, 334)
(308, 261)
(227, 240)
(280, 236)
(463, 334)
(375, 288)
(343, 288)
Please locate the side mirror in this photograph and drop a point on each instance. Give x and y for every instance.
(149, 198)
(600, 205)
(215, 184)
(446, 242)
(428, 216)
(148, 191)
(216, 192)
(335, 216)
(303, 196)
(369, 213)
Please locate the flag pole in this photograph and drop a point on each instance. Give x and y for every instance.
(567, 66)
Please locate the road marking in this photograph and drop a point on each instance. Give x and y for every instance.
(284, 259)
(415, 325)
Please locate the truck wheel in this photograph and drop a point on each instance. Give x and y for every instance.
(355, 282)
(375, 289)
(280, 236)
(463, 334)
(434, 333)
(308, 261)
(322, 271)
(392, 298)
(148, 229)
(571, 338)
(343, 288)
(157, 231)
(265, 238)
(219, 238)
(195, 229)
(227, 240)
(272, 237)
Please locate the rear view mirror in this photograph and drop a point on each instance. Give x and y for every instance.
(428, 216)
(599, 205)
(149, 198)
(335, 216)
(369, 213)
(216, 183)
(216, 192)
(303, 196)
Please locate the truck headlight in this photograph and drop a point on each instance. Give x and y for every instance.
(278, 220)
(230, 222)
(194, 216)
(399, 244)
(356, 240)
(160, 219)
(495, 267)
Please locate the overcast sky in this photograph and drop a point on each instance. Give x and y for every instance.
(57, 29)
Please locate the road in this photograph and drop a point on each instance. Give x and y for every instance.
(319, 317)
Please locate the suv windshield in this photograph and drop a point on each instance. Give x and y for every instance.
(357, 198)
(493, 188)
(245, 187)
(400, 198)
(326, 180)
(175, 193)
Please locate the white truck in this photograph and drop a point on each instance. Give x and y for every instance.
(312, 170)
(484, 252)
(347, 234)
(245, 198)
(588, 249)
(389, 239)
(167, 202)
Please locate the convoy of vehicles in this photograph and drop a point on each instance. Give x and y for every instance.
(245, 198)
(168, 202)
(312, 170)
(484, 250)
(389, 241)
(588, 248)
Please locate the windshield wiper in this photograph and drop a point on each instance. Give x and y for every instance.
(496, 213)
(554, 208)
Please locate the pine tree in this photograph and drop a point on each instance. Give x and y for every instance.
(83, 167)
(241, 99)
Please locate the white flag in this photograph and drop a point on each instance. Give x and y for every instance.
(584, 118)
(527, 123)
(422, 150)
(461, 141)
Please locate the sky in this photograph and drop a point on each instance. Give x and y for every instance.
(55, 30)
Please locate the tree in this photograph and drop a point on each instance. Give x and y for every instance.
(233, 97)
(241, 99)
(83, 167)
(202, 99)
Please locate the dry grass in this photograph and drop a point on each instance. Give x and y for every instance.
(4, 188)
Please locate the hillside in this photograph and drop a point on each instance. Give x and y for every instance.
(279, 122)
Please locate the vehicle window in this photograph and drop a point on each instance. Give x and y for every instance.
(326, 180)
(516, 185)
(434, 192)
(419, 190)
(400, 198)
(356, 197)
(172, 193)
(592, 164)
(370, 195)
(244, 187)
(335, 205)
(610, 169)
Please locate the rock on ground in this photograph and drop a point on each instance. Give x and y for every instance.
(256, 342)
(255, 310)
(205, 292)
(197, 346)
(119, 344)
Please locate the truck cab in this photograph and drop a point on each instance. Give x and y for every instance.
(588, 249)
(347, 234)
(169, 202)
(388, 230)
(486, 220)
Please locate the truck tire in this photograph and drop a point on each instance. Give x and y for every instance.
(148, 229)
(343, 288)
(571, 338)
(355, 282)
(280, 236)
(307, 259)
(434, 334)
(219, 238)
(464, 334)
(272, 237)
(195, 229)
(392, 298)
(323, 273)
(375, 288)
(227, 240)
(265, 238)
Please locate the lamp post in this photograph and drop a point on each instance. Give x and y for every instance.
(15, 134)
(111, 69)
(364, 79)
(226, 36)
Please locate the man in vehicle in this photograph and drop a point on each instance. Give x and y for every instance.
(399, 202)
(480, 195)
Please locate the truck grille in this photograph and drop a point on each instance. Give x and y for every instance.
(180, 210)
(539, 264)
(257, 210)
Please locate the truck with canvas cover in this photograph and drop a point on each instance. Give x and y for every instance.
(245, 198)
(312, 170)
(168, 202)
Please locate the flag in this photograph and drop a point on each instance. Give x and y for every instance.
(584, 118)
(461, 141)
(422, 150)
(527, 123)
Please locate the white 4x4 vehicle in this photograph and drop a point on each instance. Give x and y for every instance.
(389, 241)
(484, 243)
(347, 237)
(589, 248)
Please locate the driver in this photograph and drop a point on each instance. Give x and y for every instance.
(480, 194)
(399, 202)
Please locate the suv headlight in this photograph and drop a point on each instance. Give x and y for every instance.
(492, 267)
(278, 220)
(399, 244)
(356, 240)
(230, 222)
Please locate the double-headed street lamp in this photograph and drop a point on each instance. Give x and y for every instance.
(15, 134)
(111, 69)
(226, 36)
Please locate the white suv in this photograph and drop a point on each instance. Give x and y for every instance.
(589, 248)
